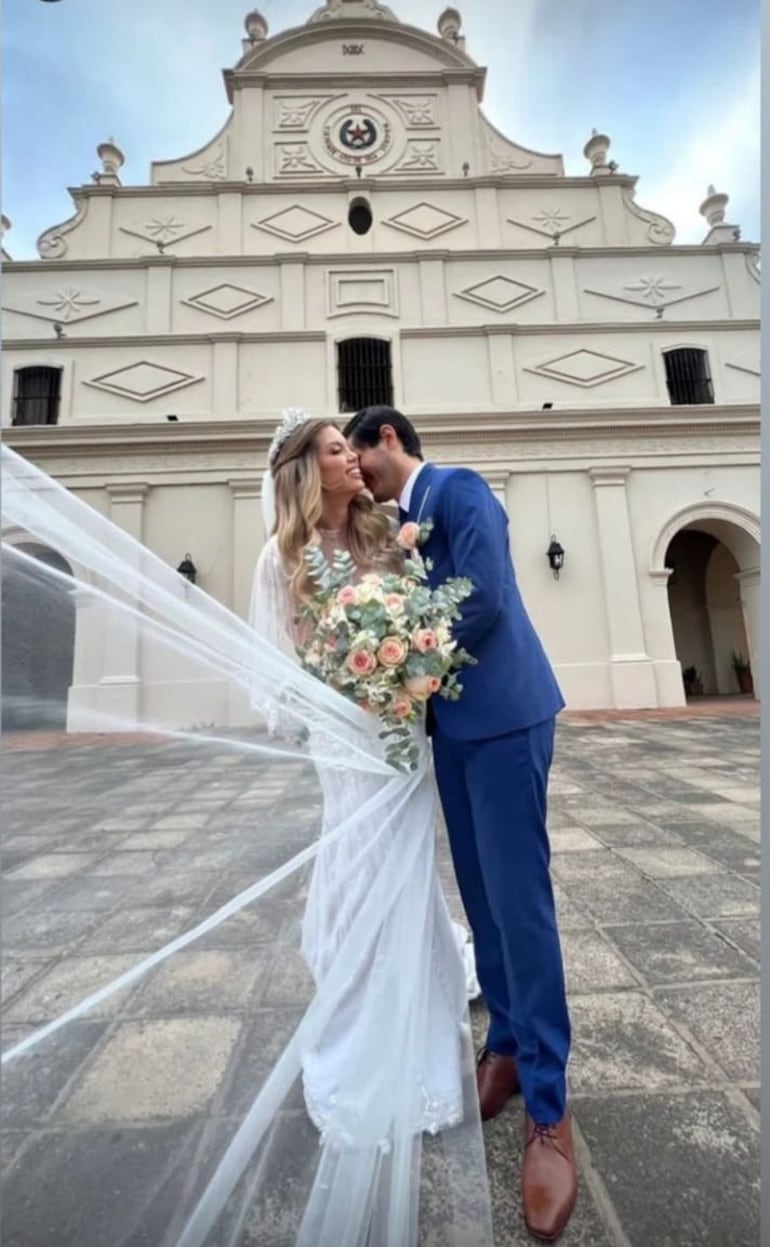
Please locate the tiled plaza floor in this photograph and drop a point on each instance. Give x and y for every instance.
(655, 839)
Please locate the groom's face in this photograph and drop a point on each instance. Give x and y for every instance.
(380, 469)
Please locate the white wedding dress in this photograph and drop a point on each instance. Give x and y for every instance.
(380, 1037)
(342, 878)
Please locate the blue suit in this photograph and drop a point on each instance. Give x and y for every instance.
(493, 749)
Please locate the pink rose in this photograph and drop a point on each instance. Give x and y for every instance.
(425, 640)
(402, 706)
(394, 601)
(392, 652)
(361, 662)
(422, 686)
(348, 595)
(409, 536)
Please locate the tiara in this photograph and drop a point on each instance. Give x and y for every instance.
(293, 417)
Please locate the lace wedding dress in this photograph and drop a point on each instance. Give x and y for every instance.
(342, 878)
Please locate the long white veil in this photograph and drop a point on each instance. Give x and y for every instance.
(161, 844)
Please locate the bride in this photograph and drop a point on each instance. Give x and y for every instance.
(319, 498)
(380, 1037)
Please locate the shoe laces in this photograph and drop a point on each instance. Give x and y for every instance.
(546, 1133)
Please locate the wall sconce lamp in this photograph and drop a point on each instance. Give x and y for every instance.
(188, 569)
(555, 556)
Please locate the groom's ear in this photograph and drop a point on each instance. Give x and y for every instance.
(389, 437)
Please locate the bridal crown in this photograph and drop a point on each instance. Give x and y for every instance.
(291, 420)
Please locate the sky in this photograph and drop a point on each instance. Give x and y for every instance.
(674, 83)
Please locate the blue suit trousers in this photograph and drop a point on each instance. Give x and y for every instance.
(493, 793)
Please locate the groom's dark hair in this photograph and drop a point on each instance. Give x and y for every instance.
(365, 428)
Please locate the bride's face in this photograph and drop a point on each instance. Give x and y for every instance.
(340, 471)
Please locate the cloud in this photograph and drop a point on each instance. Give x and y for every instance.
(149, 74)
(725, 153)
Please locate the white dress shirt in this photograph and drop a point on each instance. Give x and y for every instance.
(405, 501)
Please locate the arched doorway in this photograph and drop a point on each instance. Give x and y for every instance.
(38, 640)
(712, 554)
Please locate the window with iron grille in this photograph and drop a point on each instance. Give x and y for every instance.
(364, 373)
(688, 376)
(36, 395)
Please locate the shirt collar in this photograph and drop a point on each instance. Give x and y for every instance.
(405, 501)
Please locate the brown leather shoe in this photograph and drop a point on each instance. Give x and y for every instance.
(548, 1178)
(497, 1080)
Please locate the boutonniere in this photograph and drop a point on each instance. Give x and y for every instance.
(411, 535)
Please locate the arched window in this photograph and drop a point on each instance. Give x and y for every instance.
(364, 373)
(688, 376)
(36, 395)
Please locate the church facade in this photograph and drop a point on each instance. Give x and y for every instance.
(359, 232)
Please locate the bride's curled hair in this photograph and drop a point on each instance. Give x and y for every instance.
(299, 507)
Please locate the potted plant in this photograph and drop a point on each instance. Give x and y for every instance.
(693, 684)
(742, 669)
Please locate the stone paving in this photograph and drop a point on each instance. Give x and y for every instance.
(111, 849)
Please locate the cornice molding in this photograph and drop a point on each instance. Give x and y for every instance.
(414, 80)
(164, 339)
(555, 327)
(337, 258)
(551, 329)
(253, 436)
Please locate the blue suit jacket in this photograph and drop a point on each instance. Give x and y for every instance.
(513, 686)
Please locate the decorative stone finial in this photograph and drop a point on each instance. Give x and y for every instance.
(112, 160)
(713, 207)
(256, 27)
(450, 25)
(353, 10)
(595, 151)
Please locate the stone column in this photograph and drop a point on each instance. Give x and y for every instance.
(433, 291)
(659, 631)
(497, 479)
(293, 295)
(121, 675)
(230, 223)
(488, 218)
(225, 380)
(159, 298)
(631, 671)
(565, 288)
(248, 539)
(502, 369)
(749, 585)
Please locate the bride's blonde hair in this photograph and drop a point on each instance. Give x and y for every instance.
(299, 506)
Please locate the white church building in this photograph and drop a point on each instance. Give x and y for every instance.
(359, 232)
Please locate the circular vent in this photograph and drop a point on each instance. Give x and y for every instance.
(360, 216)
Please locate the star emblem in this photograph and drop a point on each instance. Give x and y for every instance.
(653, 288)
(358, 133)
(68, 303)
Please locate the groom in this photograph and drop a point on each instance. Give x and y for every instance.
(492, 750)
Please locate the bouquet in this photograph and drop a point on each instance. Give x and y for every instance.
(385, 642)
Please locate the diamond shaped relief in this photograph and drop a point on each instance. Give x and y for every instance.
(499, 293)
(227, 300)
(424, 220)
(143, 381)
(585, 368)
(295, 224)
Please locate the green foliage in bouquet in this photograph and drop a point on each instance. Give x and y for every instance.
(384, 641)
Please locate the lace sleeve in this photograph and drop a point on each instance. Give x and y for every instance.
(270, 615)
